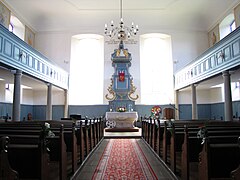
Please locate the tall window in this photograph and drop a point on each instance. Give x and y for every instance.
(156, 69)
(227, 25)
(16, 27)
(86, 70)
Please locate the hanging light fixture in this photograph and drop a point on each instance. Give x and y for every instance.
(122, 32)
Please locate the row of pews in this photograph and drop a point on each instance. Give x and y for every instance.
(46, 149)
(196, 149)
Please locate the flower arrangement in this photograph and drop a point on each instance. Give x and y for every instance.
(155, 111)
(121, 109)
(47, 130)
(47, 133)
(202, 133)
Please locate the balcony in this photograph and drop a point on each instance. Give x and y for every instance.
(16, 54)
(222, 56)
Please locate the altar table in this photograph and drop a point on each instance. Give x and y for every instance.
(121, 119)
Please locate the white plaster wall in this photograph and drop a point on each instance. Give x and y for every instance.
(206, 96)
(27, 96)
(40, 97)
(2, 91)
(216, 95)
(184, 97)
(55, 46)
(186, 46)
(58, 97)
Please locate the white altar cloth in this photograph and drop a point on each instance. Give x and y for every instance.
(122, 119)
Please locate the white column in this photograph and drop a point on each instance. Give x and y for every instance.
(66, 103)
(49, 102)
(17, 95)
(227, 96)
(194, 102)
(176, 105)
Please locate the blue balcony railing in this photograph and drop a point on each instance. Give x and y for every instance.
(223, 56)
(16, 54)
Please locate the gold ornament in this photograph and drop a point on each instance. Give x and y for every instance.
(132, 91)
(111, 91)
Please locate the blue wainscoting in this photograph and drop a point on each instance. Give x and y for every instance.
(205, 111)
(25, 109)
(90, 110)
(217, 111)
(5, 110)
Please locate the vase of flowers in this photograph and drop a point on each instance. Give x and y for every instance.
(121, 109)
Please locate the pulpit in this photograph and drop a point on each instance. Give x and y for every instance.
(121, 93)
(121, 119)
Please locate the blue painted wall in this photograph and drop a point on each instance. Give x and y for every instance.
(205, 111)
(90, 110)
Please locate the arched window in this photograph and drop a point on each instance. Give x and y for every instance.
(156, 69)
(86, 70)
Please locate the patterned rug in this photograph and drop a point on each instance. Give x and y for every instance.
(123, 159)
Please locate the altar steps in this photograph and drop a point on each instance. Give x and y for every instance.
(122, 129)
(120, 133)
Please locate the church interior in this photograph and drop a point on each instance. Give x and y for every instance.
(118, 89)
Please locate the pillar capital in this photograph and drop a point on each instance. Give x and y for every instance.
(226, 73)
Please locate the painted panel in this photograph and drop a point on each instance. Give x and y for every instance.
(16, 53)
(219, 58)
(7, 48)
(24, 57)
(1, 41)
(227, 53)
(121, 85)
(30, 61)
(236, 49)
(212, 62)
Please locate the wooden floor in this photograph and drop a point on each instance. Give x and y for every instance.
(86, 171)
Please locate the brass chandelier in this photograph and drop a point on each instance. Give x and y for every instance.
(122, 32)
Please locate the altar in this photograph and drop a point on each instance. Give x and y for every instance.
(121, 119)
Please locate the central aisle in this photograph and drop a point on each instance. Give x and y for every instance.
(123, 158)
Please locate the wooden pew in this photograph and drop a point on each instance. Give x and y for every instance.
(80, 141)
(27, 135)
(69, 136)
(6, 172)
(191, 148)
(173, 140)
(159, 138)
(219, 157)
(58, 151)
(70, 140)
(192, 145)
(166, 142)
(27, 154)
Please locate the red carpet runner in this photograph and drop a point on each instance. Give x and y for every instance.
(123, 159)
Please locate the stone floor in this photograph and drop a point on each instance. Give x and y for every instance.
(86, 171)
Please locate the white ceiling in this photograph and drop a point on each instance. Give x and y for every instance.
(56, 15)
(92, 15)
